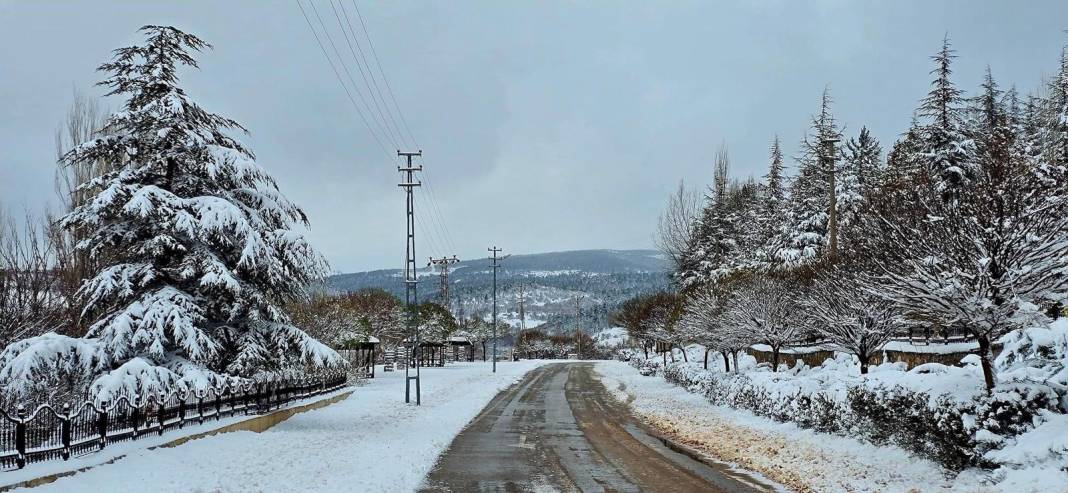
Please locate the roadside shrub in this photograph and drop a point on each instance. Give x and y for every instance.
(953, 433)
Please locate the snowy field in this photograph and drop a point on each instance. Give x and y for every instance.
(800, 459)
(369, 442)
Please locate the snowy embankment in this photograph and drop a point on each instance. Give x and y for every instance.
(800, 459)
(369, 442)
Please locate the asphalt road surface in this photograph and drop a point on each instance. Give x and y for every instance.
(560, 430)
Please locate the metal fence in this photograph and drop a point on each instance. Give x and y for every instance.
(50, 434)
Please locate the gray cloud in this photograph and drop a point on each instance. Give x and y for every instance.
(546, 125)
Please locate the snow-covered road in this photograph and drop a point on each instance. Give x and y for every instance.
(369, 442)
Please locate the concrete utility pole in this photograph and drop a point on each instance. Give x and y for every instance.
(522, 305)
(496, 265)
(443, 265)
(832, 214)
(411, 277)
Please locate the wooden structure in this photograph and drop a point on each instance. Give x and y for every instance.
(462, 349)
(361, 356)
(430, 353)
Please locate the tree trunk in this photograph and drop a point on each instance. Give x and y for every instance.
(863, 363)
(483, 350)
(734, 356)
(684, 357)
(706, 357)
(645, 347)
(775, 358)
(726, 362)
(985, 357)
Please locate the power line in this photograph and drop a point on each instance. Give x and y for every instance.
(370, 71)
(436, 217)
(349, 41)
(378, 62)
(352, 80)
(342, 82)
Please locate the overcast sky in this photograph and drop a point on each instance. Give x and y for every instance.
(545, 125)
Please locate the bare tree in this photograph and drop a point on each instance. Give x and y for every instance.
(855, 319)
(676, 225)
(30, 303)
(705, 323)
(84, 121)
(764, 309)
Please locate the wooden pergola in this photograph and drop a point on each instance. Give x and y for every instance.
(461, 343)
(361, 355)
(431, 353)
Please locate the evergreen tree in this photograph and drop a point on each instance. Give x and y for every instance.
(863, 161)
(949, 153)
(1054, 168)
(807, 223)
(195, 243)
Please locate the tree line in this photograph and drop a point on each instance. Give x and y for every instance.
(961, 227)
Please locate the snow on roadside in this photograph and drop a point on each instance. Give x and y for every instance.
(801, 459)
(369, 442)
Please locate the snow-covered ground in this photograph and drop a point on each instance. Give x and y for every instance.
(810, 461)
(369, 442)
(800, 459)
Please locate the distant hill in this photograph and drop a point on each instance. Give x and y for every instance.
(564, 290)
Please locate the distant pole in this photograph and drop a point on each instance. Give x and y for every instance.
(443, 265)
(411, 278)
(496, 265)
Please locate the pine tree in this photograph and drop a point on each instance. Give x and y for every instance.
(992, 260)
(863, 162)
(807, 234)
(1054, 168)
(196, 244)
(713, 239)
(949, 153)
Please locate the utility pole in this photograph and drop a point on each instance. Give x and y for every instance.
(443, 265)
(522, 308)
(832, 212)
(522, 319)
(496, 265)
(411, 277)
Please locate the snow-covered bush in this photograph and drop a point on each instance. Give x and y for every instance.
(890, 407)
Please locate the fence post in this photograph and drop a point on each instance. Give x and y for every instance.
(20, 437)
(64, 433)
(181, 409)
(135, 416)
(218, 406)
(161, 405)
(102, 423)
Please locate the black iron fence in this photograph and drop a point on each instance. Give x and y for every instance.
(50, 434)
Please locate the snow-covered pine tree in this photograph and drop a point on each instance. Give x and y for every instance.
(989, 262)
(713, 238)
(807, 229)
(1054, 166)
(948, 151)
(863, 162)
(196, 244)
